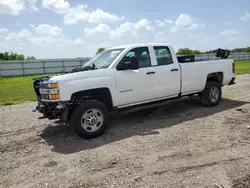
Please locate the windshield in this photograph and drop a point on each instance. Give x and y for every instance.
(104, 59)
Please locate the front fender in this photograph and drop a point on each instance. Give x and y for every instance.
(67, 88)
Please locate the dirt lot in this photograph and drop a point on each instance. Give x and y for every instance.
(179, 145)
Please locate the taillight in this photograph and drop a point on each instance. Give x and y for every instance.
(233, 66)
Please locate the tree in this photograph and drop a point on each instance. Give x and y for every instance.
(184, 51)
(100, 50)
(30, 58)
(247, 49)
(6, 56)
(1, 56)
(20, 57)
(13, 56)
(196, 52)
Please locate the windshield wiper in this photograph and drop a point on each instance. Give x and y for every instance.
(86, 68)
(93, 67)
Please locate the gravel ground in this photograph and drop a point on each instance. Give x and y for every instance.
(179, 145)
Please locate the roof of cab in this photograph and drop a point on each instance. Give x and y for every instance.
(139, 45)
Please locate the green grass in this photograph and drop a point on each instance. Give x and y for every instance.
(242, 67)
(17, 90)
(20, 89)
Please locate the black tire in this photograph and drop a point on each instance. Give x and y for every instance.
(208, 99)
(80, 111)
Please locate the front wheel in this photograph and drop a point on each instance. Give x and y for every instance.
(90, 119)
(211, 95)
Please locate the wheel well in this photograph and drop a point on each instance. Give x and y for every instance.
(217, 76)
(101, 94)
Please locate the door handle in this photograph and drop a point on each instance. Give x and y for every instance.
(150, 73)
(174, 70)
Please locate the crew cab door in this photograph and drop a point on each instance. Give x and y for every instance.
(168, 73)
(136, 86)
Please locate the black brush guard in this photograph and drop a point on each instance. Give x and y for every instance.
(36, 83)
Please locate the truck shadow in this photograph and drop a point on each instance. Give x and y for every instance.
(142, 123)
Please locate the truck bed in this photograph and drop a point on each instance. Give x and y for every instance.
(220, 54)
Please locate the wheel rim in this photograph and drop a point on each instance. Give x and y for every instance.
(214, 94)
(92, 120)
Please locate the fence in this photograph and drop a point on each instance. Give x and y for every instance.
(46, 66)
(41, 66)
(235, 56)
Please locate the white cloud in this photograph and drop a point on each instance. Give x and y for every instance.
(125, 29)
(99, 29)
(228, 22)
(42, 41)
(132, 29)
(59, 6)
(3, 31)
(31, 4)
(47, 30)
(168, 21)
(81, 13)
(99, 16)
(159, 34)
(228, 33)
(15, 6)
(79, 41)
(163, 23)
(11, 6)
(160, 23)
(246, 17)
(185, 22)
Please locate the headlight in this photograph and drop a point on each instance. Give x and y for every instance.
(53, 85)
(50, 91)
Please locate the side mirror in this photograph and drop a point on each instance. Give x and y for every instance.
(134, 63)
(124, 64)
(128, 63)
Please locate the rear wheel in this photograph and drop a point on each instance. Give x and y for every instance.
(211, 95)
(90, 119)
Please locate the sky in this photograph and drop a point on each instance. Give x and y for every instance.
(77, 28)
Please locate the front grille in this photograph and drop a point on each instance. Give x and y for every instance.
(45, 96)
(44, 86)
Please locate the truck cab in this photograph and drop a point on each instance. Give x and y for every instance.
(129, 77)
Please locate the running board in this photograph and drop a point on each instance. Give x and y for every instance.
(154, 104)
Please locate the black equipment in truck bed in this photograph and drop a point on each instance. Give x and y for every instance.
(186, 58)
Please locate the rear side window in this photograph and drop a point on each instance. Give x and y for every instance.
(163, 55)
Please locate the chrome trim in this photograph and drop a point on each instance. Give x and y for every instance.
(50, 100)
(49, 91)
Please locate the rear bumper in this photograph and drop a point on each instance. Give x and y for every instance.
(232, 82)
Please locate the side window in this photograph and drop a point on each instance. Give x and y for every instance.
(163, 55)
(143, 56)
(129, 54)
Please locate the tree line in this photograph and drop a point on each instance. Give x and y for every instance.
(181, 51)
(14, 56)
(188, 51)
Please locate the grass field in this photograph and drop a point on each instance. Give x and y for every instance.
(20, 89)
(17, 90)
(243, 67)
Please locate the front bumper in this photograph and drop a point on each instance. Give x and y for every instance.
(53, 110)
(232, 82)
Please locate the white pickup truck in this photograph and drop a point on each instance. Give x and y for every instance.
(129, 77)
